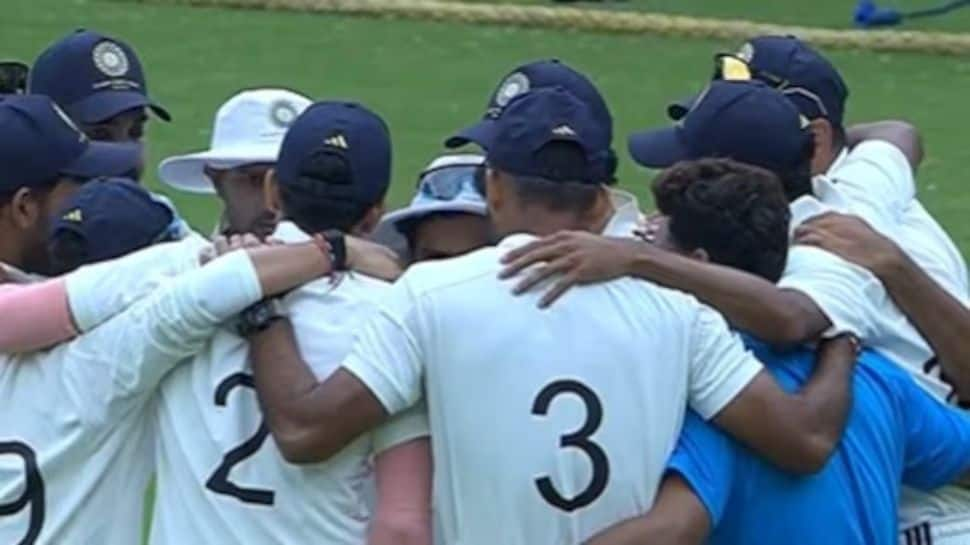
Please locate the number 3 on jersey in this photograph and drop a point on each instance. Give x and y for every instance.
(578, 439)
(219, 481)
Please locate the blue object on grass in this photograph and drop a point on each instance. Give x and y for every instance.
(869, 15)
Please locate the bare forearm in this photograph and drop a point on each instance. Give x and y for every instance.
(309, 420)
(676, 518)
(748, 302)
(803, 428)
(942, 319)
(282, 268)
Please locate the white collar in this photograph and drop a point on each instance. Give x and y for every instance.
(838, 162)
(288, 232)
(626, 214)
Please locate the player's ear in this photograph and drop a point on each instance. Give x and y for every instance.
(271, 193)
(24, 208)
(823, 136)
(494, 190)
(700, 254)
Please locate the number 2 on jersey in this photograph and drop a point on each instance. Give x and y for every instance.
(219, 481)
(579, 439)
(33, 494)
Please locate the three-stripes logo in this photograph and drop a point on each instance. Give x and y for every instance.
(564, 130)
(74, 216)
(337, 141)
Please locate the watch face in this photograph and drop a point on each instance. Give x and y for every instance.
(261, 313)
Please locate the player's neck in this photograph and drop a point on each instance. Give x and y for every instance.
(11, 253)
(542, 222)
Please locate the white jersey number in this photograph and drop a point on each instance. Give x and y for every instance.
(219, 481)
(33, 494)
(579, 439)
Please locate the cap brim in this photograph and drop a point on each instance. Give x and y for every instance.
(103, 159)
(187, 172)
(659, 148)
(388, 231)
(104, 105)
(678, 109)
(481, 133)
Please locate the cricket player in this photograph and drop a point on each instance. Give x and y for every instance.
(44, 159)
(621, 215)
(448, 215)
(556, 458)
(75, 439)
(716, 491)
(219, 479)
(99, 81)
(246, 137)
(818, 294)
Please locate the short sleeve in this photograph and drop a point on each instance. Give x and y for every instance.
(706, 459)
(720, 366)
(844, 292)
(387, 355)
(401, 428)
(937, 439)
(876, 176)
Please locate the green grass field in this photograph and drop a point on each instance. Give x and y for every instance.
(428, 79)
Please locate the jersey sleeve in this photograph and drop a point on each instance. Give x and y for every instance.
(43, 318)
(844, 292)
(720, 366)
(937, 439)
(387, 355)
(706, 459)
(401, 428)
(138, 347)
(876, 177)
(97, 292)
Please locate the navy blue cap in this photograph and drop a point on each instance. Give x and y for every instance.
(789, 64)
(93, 77)
(39, 143)
(537, 75)
(742, 120)
(348, 130)
(114, 217)
(540, 117)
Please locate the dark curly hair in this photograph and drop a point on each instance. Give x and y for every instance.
(737, 213)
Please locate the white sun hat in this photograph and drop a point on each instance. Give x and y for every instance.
(446, 185)
(248, 129)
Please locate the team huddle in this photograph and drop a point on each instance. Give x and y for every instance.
(520, 356)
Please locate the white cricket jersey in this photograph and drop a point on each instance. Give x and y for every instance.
(875, 181)
(547, 425)
(75, 432)
(221, 478)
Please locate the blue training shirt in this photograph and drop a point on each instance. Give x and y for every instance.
(896, 433)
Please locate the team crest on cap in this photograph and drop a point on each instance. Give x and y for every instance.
(746, 53)
(282, 113)
(110, 59)
(513, 86)
(337, 141)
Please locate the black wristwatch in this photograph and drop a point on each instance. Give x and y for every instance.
(338, 249)
(258, 317)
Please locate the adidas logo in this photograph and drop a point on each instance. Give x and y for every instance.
(564, 130)
(337, 141)
(74, 216)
